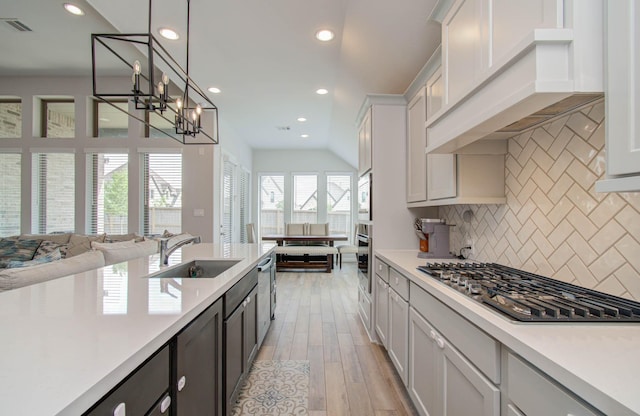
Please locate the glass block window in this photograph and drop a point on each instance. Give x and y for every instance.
(58, 118)
(10, 119)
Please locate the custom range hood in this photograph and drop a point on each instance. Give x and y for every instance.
(523, 76)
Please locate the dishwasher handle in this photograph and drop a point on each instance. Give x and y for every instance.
(265, 264)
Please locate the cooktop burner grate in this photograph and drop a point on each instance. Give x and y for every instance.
(528, 297)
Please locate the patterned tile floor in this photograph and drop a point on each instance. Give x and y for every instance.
(275, 388)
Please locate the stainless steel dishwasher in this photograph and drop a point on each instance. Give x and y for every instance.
(266, 295)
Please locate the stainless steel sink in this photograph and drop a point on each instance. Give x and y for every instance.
(196, 269)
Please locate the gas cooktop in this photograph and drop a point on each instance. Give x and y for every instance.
(528, 297)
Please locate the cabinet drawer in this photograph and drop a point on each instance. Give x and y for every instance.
(482, 350)
(399, 283)
(382, 269)
(535, 394)
(141, 390)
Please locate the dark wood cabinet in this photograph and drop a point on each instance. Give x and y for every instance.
(198, 383)
(240, 334)
(141, 393)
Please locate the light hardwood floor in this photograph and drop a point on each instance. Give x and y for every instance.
(316, 319)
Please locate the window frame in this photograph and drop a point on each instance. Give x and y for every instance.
(44, 105)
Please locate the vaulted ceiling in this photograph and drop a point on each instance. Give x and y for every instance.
(262, 54)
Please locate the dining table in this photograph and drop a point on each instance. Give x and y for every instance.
(281, 238)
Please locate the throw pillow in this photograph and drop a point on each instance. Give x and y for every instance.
(21, 250)
(61, 238)
(79, 244)
(113, 246)
(53, 256)
(115, 238)
(47, 247)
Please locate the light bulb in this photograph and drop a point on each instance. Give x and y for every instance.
(198, 109)
(160, 88)
(179, 103)
(165, 78)
(137, 68)
(194, 116)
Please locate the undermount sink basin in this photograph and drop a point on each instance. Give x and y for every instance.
(198, 269)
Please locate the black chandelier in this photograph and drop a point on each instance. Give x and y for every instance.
(149, 88)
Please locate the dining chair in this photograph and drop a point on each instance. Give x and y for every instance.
(349, 248)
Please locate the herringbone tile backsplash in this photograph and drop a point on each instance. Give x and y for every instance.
(554, 223)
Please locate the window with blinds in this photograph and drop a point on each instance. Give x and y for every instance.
(271, 204)
(108, 177)
(305, 199)
(228, 205)
(162, 187)
(339, 204)
(10, 190)
(52, 192)
(245, 208)
(10, 119)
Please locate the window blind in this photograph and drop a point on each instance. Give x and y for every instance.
(162, 187)
(228, 181)
(53, 192)
(339, 204)
(10, 190)
(109, 182)
(244, 193)
(271, 204)
(305, 199)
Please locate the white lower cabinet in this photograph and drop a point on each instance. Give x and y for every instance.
(441, 380)
(382, 310)
(364, 308)
(398, 339)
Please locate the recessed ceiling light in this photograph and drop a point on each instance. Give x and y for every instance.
(167, 33)
(304, 136)
(324, 35)
(322, 91)
(214, 90)
(302, 119)
(73, 9)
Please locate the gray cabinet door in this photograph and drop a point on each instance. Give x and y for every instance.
(382, 310)
(462, 380)
(199, 365)
(424, 385)
(251, 326)
(398, 333)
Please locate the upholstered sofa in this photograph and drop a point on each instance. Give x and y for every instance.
(29, 259)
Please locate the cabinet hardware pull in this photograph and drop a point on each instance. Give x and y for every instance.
(440, 343)
(166, 402)
(181, 383)
(248, 299)
(432, 334)
(120, 410)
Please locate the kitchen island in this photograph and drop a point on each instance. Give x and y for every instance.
(595, 363)
(67, 342)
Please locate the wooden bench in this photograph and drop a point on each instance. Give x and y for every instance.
(305, 257)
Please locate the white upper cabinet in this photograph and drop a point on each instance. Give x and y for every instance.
(416, 143)
(510, 64)
(622, 98)
(364, 144)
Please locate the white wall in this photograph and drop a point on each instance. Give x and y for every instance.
(199, 174)
(288, 162)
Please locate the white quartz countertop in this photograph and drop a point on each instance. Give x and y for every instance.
(67, 342)
(598, 362)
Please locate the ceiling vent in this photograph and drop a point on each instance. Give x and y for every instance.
(17, 25)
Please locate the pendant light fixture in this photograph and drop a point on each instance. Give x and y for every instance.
(155, 76)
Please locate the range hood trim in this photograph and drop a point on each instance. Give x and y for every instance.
(544, 63)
